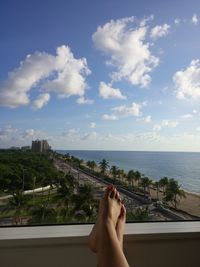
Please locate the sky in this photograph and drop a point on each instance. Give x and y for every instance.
(100, 75)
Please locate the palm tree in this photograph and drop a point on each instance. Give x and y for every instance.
(173, 191)
(157, 186)
(121, 174)
(114, 171)
(137, 176)
(17, 203)
(91, 164)
(145, 183)
(104, 165)
(163, 182)
(131, 176)
(41, 213)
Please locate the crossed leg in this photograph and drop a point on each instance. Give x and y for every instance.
(106, 237)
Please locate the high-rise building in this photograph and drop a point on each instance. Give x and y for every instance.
(41, 146)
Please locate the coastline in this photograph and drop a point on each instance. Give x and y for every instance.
(189, 204)
(184, 168)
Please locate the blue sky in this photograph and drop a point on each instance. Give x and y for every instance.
(111, 75)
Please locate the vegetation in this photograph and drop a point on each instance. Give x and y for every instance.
(66, 200)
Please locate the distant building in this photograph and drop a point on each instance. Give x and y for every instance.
(41, 146)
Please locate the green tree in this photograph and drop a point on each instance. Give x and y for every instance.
(121, 174)
(114, 172)
(156, 187)
(137, 176)
(41, 213)
(104, 165)
(91, 164)
(163, 182)
(173, 192)
(131, 177)
(145, 183)
(17, 203)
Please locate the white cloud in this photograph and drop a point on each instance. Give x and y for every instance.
(187, 82)
(110, 117)
(147, 119)
(157, 127)
(106, 91)
(125, 111)
(127, 50)
(31, 134)
(71, 73)
(168, 123)
(177, 21)
(42, 100)
(134, 110)
(62, 74)
(195, 19)
(89, 136)
(10, 136)
(144, 21)
(187, 116)
(82, 100)
(159, 31)
(198, 128)
(165, 124)
(92, 125)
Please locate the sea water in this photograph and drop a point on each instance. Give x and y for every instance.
(182, 166)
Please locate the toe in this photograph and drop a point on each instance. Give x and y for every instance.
(117, 195)
(123, 212)
(112, 193)
(108, 191)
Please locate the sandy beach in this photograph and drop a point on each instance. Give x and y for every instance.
(190, 204)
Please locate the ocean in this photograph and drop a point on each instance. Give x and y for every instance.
(182, 166)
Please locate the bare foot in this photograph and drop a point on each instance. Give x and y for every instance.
(110, 207)
(120, 225)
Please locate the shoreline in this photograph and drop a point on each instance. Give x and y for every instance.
(189, 204)
(187, 183)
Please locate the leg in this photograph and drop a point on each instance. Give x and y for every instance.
(111, 217)
(93, 237)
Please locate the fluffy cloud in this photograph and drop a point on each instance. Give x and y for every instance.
(62, 74)
(134, 110)
(10, 136)
(187, 81)
(82, 100)
(92, 125)
(108, 117)
(147, 119)
(127, 50)
(42, 100)
(165, 124)
(89, 136)
(125, 111)
(187, 116)
(177, 21)
(71, 72)
(106, 91)
(159, 31)
(168, 123)
(195, 19)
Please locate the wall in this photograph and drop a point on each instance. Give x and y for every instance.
(165, 250)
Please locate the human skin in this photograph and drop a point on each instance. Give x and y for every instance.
(106, 237)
